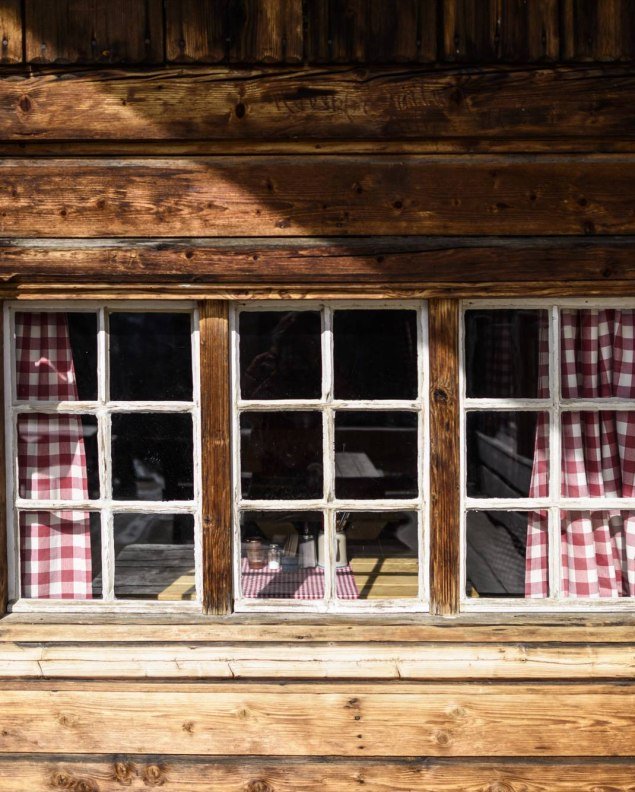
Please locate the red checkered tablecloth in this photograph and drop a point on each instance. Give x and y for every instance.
(294, 584)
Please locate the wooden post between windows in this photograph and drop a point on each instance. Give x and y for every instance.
(444, 456)
(216, 456)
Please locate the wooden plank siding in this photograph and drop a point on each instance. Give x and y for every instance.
(505, 108)
(10, 32)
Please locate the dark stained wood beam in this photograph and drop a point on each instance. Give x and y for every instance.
(471, 107)
(319, 196)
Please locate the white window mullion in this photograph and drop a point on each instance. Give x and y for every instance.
(328, 453)
(555, 465)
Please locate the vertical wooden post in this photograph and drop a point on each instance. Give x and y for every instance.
(4, 560)
(216, 461)
(444, 456)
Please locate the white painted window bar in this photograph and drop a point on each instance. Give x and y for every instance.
(555, 405)
(102, 409)
(329, 505)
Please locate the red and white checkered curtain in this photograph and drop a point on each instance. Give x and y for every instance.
(54, 547)
(598, 459)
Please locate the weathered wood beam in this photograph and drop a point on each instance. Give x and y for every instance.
(325, 196)
(200, 774)
(317, 719)
(344, 103)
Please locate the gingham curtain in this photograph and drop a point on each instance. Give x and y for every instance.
(598, 459)
(54, 547)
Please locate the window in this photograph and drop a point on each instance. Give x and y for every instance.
(549, 462)
(330, 449)
(103, 444)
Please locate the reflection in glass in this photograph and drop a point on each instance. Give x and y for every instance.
(497, 554)
(60, 555)
(595, 553)
(280, 555)
(150, 356)
(56, 356)
(152, 456)
(57, 457)
(503, 353)
(378, 555)
(375, 354)
(375, 454)
(500, 454)
(154, 556)
(281, 455)
(280, 355)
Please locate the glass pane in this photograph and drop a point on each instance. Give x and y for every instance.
(280, 355)
(150, 356)
(598, 353)
(57, 457)
(152, 457)
(597, 454)
(375, 354)
(377, 555)
(154, 556)
(507, 554)
(506, 354)
(281, 455)
(507, 454)
(376, 455)
(56, 356)
(280, 555)
(595, 553)
(60, 555)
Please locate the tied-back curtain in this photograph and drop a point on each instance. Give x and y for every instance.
(54, 546)
(598, 459)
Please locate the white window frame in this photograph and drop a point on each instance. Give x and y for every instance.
(554, 503)
(329, 505)
(102, 409)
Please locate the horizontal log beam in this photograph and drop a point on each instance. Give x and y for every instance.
(503, 103)
(234, 719)
(266, 261)
(200, 774)
(326, 196)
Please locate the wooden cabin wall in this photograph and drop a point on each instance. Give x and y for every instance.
(438, 149)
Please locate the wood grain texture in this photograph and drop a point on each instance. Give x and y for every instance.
(371, 31)
(199, 774)
(241, 31)
(529, 264)
(216, 456)
(316, 660)
(500, 30)
(356, 719)
(443, 324)
(94, 31)
(10, 32)
(598, 30)
(469, 110)
(326, 196)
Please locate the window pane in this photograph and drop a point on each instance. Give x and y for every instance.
(281, 455)
(150, 356)
(154, 556)
(60, 555)
(595, 553)
(152, 457)
(377, 555)
(280, 355)
(375, 455)
(57, 457)
(507, 554)
(507, 454)
(375, 354)
(597, 454)
(280, 555)
(56, 356)
(506, 354)
(598, 353)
